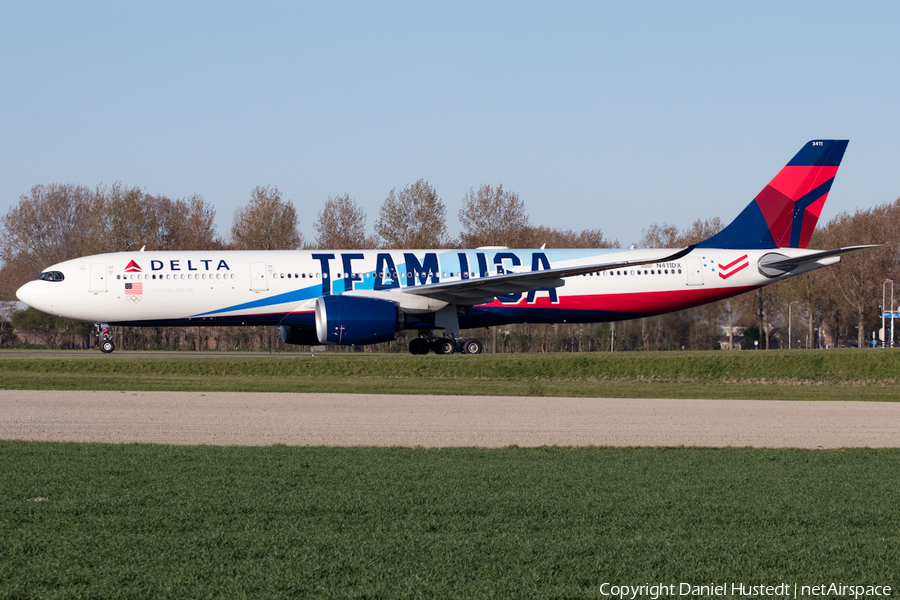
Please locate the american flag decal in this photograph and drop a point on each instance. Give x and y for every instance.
(133, 292)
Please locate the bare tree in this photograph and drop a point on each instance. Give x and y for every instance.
(701, 229)
(16, 273)
(123, 219)
(47, 226)
(668, 236)
(496, 217)
(859, 276)
(342, 225)
(413, 218)
(659, 236)
(59, 222)
(266, 223)
(493, 216)
(188, 225)
(119, 220)
(567, 238)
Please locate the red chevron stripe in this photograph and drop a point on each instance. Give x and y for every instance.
(731, 264)
(743, 266)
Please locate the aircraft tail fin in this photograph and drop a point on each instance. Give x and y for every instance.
(785, 213)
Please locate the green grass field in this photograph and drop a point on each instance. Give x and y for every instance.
(806, 375)
(143, 521)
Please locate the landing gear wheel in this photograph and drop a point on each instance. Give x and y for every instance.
(419, 346)
(470, 346)
(106, 346)
(445, 346)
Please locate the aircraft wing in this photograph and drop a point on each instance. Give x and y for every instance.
(485, 289)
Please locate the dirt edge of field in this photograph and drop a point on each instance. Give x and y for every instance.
(260, 419)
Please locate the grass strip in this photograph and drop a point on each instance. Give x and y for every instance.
(385, 385)
(815, 375)
(144, 521)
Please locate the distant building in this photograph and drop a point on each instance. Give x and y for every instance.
(736, 340)
(733, 341)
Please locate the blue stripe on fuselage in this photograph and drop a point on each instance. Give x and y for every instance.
(293, 296)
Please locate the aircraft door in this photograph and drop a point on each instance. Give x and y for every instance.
(694, 271)
(259, 280)
(98, 278)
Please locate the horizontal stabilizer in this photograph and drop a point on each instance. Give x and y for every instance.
(789, 263)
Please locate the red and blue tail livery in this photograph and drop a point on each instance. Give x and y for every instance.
(785, 213)
(359, 297)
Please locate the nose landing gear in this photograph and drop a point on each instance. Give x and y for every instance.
(106, 343)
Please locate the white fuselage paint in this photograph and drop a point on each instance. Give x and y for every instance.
(261, 287)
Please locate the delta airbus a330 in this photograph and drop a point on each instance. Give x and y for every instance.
(358, 297)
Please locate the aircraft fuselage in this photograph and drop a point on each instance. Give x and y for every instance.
(264, 287)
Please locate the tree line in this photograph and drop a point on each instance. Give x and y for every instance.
(57, 222)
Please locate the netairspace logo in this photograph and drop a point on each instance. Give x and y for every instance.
(653, 591)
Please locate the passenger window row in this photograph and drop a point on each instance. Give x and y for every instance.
(145, 276)
(411, 274)
(367, 275)
(644, 272)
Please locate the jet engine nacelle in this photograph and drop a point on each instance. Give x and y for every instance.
(350, 320)
(299, 336)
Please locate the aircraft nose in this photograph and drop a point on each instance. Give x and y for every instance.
(30, 294)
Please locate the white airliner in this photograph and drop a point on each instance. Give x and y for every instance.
(358, 297)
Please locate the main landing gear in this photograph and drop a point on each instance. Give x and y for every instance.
(106, 343)
(426, 344)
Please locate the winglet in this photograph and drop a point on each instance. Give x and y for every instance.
(785, 213)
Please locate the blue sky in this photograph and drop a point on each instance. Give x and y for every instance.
(614, 115)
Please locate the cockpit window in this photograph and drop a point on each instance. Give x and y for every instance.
(51, 276)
